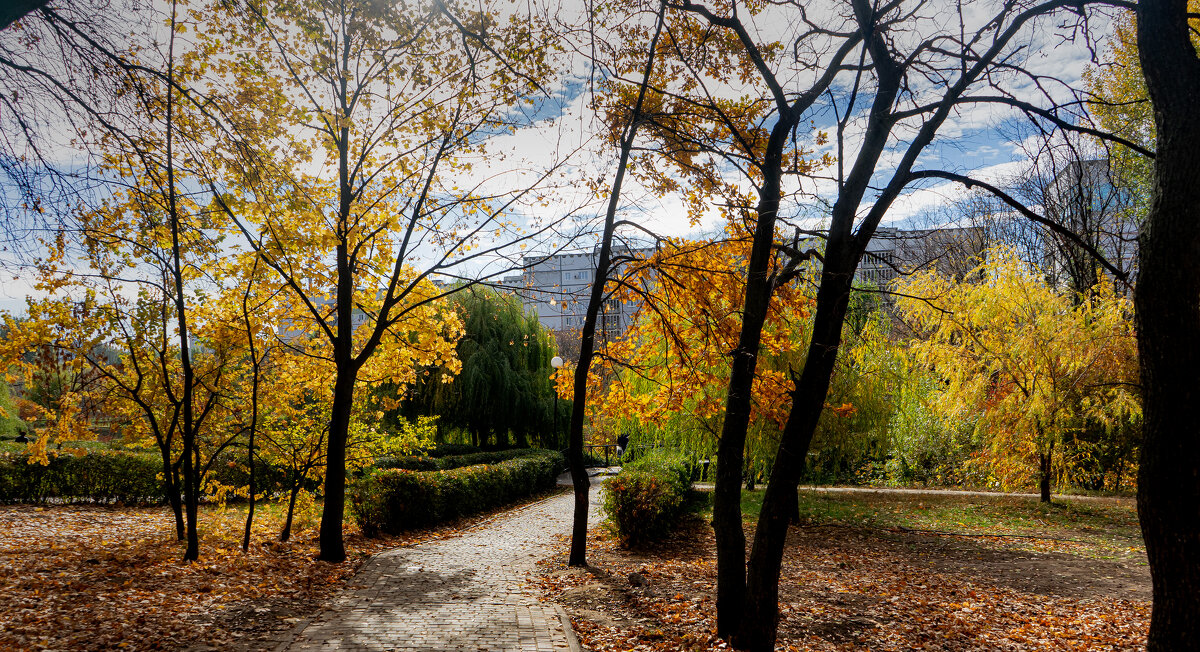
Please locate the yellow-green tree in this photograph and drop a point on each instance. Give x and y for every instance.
(354, 130)
(277, 395)
(127, 264)
(1031, 359)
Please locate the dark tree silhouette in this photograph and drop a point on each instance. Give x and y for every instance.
(1167, 302)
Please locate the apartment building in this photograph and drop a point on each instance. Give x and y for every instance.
(893, 252)
(1088, 198)
(557, 289)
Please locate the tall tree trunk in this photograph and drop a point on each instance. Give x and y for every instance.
(727, 492)
(256, 374)
(333, 548)
(1167, 302)
(761, 618)
(587, 343)
(191, 470)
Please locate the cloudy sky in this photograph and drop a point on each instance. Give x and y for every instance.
(561, 131)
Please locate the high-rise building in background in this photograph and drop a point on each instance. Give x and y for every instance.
(557, 289)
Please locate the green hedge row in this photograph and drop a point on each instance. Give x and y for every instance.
(443, 449)
(646, 499)
(392, 500)
(421, 463)
(98, 477)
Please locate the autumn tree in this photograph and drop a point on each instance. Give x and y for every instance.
(355, 131)
(665, 375)
(876, 54)
(1040, 362)
(143, 229)
(1119, 103)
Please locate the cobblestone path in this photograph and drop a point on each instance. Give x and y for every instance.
(462, 593)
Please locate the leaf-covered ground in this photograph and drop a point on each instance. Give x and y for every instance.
(102, 578)
(856, 577)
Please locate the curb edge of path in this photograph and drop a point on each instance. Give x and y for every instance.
(572, 640)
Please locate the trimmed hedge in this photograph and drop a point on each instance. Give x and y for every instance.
(444, 449)
(646, 499)
(392, 500)
(423, 463)
(97, 477)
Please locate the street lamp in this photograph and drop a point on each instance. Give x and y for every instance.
(557, 363)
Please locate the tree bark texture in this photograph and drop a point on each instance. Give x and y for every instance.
(1167, 304)
(761, 618)
(727, 494)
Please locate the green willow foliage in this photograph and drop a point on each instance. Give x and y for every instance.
(504, 395)
(10, 425)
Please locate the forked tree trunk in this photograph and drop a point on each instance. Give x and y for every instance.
(760, 621)
(1167, 302)
(727, 494)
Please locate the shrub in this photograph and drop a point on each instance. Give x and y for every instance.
(395, 499)
(444, 449)
(645, 500)
(423, 463)
(231, 471)
(99, 476)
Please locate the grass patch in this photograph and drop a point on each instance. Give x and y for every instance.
(1101, 529)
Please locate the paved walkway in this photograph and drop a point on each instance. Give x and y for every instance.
(467, 592)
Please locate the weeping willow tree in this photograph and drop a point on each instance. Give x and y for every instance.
(504, 395)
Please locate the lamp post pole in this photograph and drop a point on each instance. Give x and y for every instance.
(557, 363)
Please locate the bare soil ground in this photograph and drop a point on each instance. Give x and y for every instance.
(865, 588)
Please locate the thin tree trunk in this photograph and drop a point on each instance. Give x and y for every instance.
(251, 489)
(191, 472)
(1044, 467)
(587, 344)
(1167, 302)
(286, 533)
(256, 368)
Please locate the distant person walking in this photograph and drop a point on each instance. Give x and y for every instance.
(622, 444)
